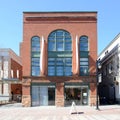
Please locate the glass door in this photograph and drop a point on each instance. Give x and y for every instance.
(43, 95)
(84, 96)
(35, 96)
(78, 94)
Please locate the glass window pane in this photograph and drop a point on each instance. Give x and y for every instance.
(35, 54)
(67, 33)
(59, 70)
(51, 71)
(68, 71)
(83, 47)
(51, 46)
(35, 63)
(59, 61)
(68, 46)
(35, 71)
(35, 49)
(84, 70)
(35, 44)
(68, 38)
(84, 43)
(59, 38)
(56, 41)
(68, 61)
(51, 61)
(59, 33)
(53, 34)
(60, 46)
(51, 38)
(83, 59)
(84, 38)
(83, 63)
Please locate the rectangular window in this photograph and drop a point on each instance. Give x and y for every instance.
(43, 94)
(59, 66)
(84, 66)
(35, 70)
(51, 67)
(35, 66)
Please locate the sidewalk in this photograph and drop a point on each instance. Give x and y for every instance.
(60, 113)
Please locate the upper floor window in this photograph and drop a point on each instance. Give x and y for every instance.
(59, 66)
(84, 66)
(35, 44)
(35, 56)
(59, 40)
(83, 43)
(59, 53)
(84, 56)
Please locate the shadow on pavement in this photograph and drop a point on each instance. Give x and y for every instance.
(77, 113)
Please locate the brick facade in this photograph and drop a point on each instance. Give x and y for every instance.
(10, 75)
(42, 24)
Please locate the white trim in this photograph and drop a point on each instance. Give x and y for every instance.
(17, 73)
(77, 58)
(41, 56)
(11, 73)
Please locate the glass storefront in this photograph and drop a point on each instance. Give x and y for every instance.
(78, 94)
(43, 95)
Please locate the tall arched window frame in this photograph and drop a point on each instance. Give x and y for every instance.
(59, 40)
(84, 43)
(35, 56)
(84, 56)
(59, 53)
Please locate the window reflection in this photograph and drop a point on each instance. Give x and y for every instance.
(84, 66)
(84, 61)
(59, 40)
(59, 66)
(35, 56)
(84, 43)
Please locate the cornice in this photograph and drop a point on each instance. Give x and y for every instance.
(61, 18)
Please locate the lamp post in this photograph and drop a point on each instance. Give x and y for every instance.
(98, 66)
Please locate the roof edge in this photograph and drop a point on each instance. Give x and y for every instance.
(59, 12)
(117, 36)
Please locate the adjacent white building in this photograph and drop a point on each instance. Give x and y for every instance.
(109, 88)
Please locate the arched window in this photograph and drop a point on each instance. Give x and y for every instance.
(83, 43)
(59, 53)
(84, 57)
(59, 40)
(35, 56)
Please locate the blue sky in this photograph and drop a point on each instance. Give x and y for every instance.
(11, 18)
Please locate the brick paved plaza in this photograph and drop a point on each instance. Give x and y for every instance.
(16, 112)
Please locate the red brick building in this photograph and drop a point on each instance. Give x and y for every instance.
(10, 75)
(59, 51)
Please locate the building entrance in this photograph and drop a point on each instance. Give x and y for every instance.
(78, 94)
(43, 95)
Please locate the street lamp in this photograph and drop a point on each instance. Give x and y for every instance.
(98, 76)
